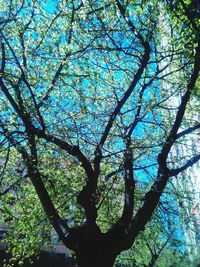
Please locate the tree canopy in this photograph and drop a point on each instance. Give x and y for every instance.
(95, 98)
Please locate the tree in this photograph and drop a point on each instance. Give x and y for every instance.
(87, 82)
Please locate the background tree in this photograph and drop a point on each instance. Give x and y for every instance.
(87, 82)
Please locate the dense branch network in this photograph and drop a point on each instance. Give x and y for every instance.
(102, 103)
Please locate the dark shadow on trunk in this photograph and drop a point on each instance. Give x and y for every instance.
(95, 256)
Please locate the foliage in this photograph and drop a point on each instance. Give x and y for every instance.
(89, 117)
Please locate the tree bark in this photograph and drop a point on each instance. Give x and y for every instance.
(95, 257)
(93, 248)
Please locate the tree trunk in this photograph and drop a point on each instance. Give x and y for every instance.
(95, 256)
(95, 249)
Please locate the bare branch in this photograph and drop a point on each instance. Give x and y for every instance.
(181, 110)
(189, 163)
(188, 131)
(129, 184)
